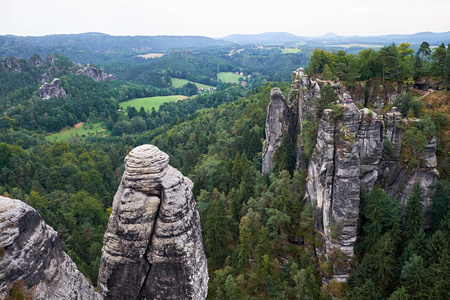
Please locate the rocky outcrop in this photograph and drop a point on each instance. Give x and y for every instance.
(395, 177)
(51, 90)
(354, 150)
(153, 245)
(32, 260)
(36, 61)
(12, 64)
(94, 73)
(277, 125)
(349, 158)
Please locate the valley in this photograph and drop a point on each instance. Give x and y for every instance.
(324, 176)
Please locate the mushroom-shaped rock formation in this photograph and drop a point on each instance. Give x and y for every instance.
(153, 245)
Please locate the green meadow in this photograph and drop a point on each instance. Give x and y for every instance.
(82, 130)
(150, 102)
(177, 82)
(290, 50)
(228, 77)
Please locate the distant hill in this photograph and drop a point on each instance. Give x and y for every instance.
(331, 38)
(262, 38)
(99, 43)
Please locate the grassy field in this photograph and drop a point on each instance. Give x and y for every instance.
(150, 102)
(82, 130)
(177, 82)
(290, 50)
(228, 77)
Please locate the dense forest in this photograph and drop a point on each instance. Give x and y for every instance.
(257, 229)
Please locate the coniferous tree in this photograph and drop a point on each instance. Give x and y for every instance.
(216, 233)
(413, 213)
(414, 278)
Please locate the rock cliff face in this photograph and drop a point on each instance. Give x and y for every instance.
(153, 245)
(277, 125)
(51, 90)
(32, 258)
(349, 158)
(94, 73)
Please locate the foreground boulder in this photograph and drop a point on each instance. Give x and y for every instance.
(32, 261)
(153, 245)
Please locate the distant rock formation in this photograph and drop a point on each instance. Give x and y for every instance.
(51, 90)
(36, 61)
(349, 158)
(32, 260)
(12, 64)
(153, 245)
(94, 73)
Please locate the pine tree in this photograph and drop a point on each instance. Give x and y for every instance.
(306, 284)
(366, 292)
(399, 294)
(216, 229)
(413, 213)
(383, 264)
(414, 277)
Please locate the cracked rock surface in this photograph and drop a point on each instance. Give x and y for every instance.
(153, 245)
(31, 256)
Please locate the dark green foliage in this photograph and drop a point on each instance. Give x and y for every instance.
(414, 278)
(405, 102)
(285, 156)
(399, 294)
(366, 292)
(440, 202)
(413, 213)
(216, 229)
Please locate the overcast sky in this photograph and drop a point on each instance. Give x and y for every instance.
(220, 18)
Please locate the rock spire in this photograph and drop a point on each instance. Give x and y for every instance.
(153, 245)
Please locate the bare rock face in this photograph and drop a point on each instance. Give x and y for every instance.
(32, 258)
(353, 152)
(153, 245)
(349, 158)
(12, 64)
(277, 125)
(51, 90)
(94, 73)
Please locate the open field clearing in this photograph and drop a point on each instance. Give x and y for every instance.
(79, 130)
(150, 102)
(228, 77)
(177, 82)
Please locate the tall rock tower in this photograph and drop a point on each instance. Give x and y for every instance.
(153, 245)
(349, 158)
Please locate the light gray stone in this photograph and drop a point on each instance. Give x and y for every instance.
(32, 255)
(153, 245)
(51, 90)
